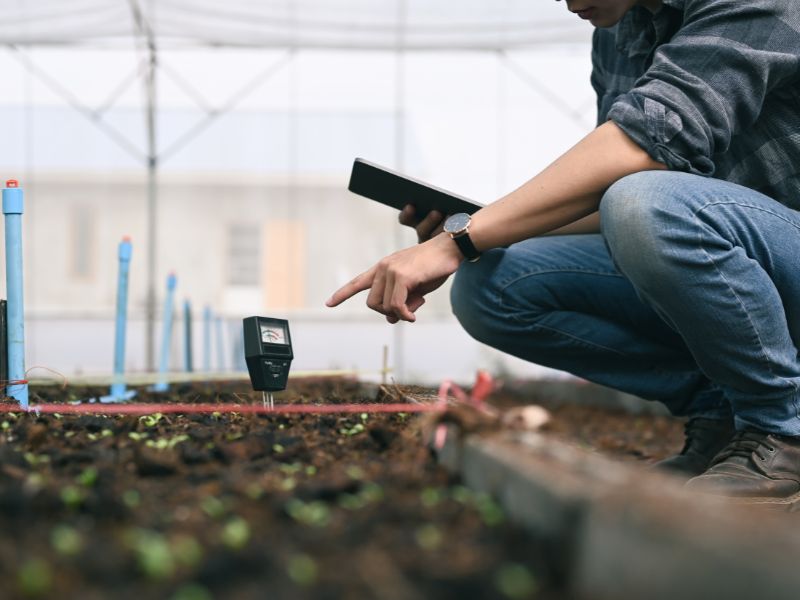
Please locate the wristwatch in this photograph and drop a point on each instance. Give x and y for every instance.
(457, 226)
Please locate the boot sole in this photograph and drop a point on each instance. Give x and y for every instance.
(782, 502)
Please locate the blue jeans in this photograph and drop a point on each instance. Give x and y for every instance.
(690, 296)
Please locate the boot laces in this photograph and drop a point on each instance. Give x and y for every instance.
(743, 444)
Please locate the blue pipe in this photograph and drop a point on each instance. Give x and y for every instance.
(13, 209)
(166, 335)
(118, 388)
(187, 335)
(220, 347)
(207, 339)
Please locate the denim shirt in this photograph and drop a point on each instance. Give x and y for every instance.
(710, 87)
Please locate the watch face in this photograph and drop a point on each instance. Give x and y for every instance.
(273, 334)
(456, 223)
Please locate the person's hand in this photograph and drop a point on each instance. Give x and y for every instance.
(426, 228)
(398, 284)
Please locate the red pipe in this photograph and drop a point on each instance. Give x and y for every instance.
(253, 409)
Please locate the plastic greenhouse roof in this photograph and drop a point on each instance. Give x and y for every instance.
(342, 24)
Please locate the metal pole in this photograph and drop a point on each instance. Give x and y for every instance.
(220, 346)
(187, 335)
(166, 339)
(207, 339)
(399, 151)
(152, 205)
(118, 391)
(13, 205)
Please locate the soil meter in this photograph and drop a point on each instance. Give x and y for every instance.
(268, 353)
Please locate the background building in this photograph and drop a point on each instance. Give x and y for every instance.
(254, 150)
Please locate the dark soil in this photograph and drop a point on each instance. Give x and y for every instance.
(234, 506)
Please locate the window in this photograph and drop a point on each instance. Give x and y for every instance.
(244, 255)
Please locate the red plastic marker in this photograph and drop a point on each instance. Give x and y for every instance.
(12, 183)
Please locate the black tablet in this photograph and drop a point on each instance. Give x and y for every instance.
(388, 187)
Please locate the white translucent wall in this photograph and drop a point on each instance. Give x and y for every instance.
(479, 123)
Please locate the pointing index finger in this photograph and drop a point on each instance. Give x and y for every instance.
(351, 288)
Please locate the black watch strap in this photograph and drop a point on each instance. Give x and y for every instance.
(467, 248)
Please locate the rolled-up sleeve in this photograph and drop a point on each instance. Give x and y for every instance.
(708, 83)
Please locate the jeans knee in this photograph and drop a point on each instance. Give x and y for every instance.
(473, 299)
(639, 215)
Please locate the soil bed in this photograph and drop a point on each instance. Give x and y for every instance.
(241, 506)
(244, 506)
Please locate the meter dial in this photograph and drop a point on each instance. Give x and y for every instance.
(273, 334)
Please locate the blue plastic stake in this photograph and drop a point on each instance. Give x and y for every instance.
(166, 335)
(12, 209)
(187, 335)
(220, 347)
(207, 339)
(119, 393)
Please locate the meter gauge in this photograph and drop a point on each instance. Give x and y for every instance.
(268, 353)
(273, 333)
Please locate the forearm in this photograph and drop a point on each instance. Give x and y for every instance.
(588, 224)
(565, 192)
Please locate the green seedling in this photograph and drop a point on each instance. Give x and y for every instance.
(66, 540)
(428, 537)
(372, 492)
(311, 470)
(254, 491)
(106, 433)
(213, 507)
(514, 581)
(278, 449)
(491, 512)
(461, 494)
(34, 481)
(315, 514)
(153, 554)
(72, 496)
(138, 437)
(35, 460)
(166, 443)
(288, 484)
(302, 569)
(5, 425)
(290, 468)
(34, 578)
(192, 591)
(351, 501)
(355, 472)
(354, 430)
(88, 477)
(187, 550)
(430, 497)
(236, 533)
(232, 437)
(151, 420)
(131, 498)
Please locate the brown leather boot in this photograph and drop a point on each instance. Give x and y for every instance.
(704, 439)
(755, 468)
